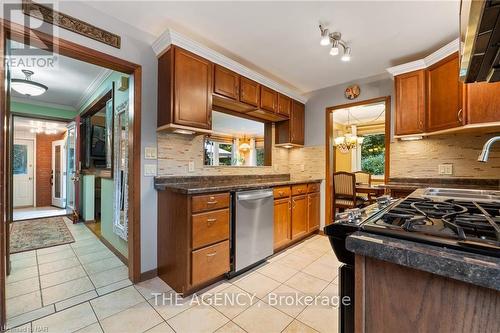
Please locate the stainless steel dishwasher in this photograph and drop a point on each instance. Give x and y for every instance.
(253, 228)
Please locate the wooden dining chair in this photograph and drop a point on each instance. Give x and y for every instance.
(363, 177)
(344, 191)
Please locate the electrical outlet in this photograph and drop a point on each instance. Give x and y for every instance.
(191, 166)
(149, 170)
(150, 153)
(445, 169)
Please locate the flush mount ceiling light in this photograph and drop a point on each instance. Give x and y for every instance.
(335, 40)
(27, 86)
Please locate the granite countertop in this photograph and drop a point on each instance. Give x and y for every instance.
(468, 267)
(465, 183)
(211, 184)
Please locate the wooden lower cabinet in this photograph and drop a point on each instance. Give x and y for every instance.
(282, 211)
(210, 262)
(299, 216)
(313, 211)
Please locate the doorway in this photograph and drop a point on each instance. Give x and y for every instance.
(65, 48)
(347, 128)
(23, 172)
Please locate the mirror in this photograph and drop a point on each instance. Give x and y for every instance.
(120, 209)
(97, 134)
(236, 141)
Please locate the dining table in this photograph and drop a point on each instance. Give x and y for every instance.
(373, 190)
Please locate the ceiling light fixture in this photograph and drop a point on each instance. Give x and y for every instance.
(28, 87)
(335, 39)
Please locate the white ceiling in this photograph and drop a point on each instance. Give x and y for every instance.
(281, 39)
(359, 115)
(235, 126)
(68, 81)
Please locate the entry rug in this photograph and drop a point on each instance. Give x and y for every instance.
(39, 233)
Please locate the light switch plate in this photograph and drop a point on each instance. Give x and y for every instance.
(445, 169)
(191, 166)
(149, 170)
(150, 153)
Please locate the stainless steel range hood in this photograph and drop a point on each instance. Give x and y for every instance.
(480, 40)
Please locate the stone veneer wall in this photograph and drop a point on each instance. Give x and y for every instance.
(421, 158)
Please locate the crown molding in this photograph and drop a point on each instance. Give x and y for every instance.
(92, 88)
(428, 61)
(171, 37)
(41, 103)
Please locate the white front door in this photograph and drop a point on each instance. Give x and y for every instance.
(58, 174)
(22, 170)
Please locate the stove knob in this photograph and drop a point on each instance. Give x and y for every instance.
(353, 214)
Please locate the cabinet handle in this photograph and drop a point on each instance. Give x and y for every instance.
(280, 193)
(421, 124)
(460, 116)
(293, 203)
(289, 205)
(212, 254)
(210, 222)
(211, 202)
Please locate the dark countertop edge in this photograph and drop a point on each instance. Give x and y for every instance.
(414, 186)
(185, 189)
(463, 266)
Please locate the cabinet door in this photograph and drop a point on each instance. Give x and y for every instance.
(299, 216)
(192, 90)
(297, 123)
(313, 211)
(268, 99)
(282, 226)
(410, 97)
(249, 92)
(483, 100)
(444, 95)
(226, 82)
(284, 105)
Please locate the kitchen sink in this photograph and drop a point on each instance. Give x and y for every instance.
(461, 194)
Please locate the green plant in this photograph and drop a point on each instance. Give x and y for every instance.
(373, 154)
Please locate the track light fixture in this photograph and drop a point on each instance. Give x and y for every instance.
(335, 40)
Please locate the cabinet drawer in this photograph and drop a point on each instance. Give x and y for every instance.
(281, 192)
(313, 187)
(299, 189)
(201, 203)
(210, 227)
(210, 262)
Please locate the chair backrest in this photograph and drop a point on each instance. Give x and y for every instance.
(344, 184)
(363, 177)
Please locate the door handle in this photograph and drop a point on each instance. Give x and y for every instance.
(460, 116)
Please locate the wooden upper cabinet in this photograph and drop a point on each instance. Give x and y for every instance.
(410, 103)
(444, 95)
(226, 82)
(284, 105)
(184, 89)
(249, 91)
(297, 122)
(483, 102)
(268, 99)
(299, 216)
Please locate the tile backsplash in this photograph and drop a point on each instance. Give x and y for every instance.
(175, 151)
(421, 158)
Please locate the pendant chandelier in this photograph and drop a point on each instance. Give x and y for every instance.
(348, 141)
(27, 86)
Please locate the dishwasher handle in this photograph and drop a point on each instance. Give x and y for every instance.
(255, 196)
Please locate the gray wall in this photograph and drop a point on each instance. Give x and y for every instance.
(319, 100)
(136, 48)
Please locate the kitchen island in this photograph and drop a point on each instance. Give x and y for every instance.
(407, 286)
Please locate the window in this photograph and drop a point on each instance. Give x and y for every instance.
(373, 154)
(235, 141)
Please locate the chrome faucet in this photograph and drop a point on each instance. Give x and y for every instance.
(483, 157)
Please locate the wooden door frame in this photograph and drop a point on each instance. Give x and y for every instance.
(330, 154)
(14, 31)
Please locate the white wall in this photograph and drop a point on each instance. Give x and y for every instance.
(319, 100)
(136, 48)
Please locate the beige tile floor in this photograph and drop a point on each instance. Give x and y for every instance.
(83, 287)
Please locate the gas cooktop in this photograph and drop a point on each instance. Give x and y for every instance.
(465, 225)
